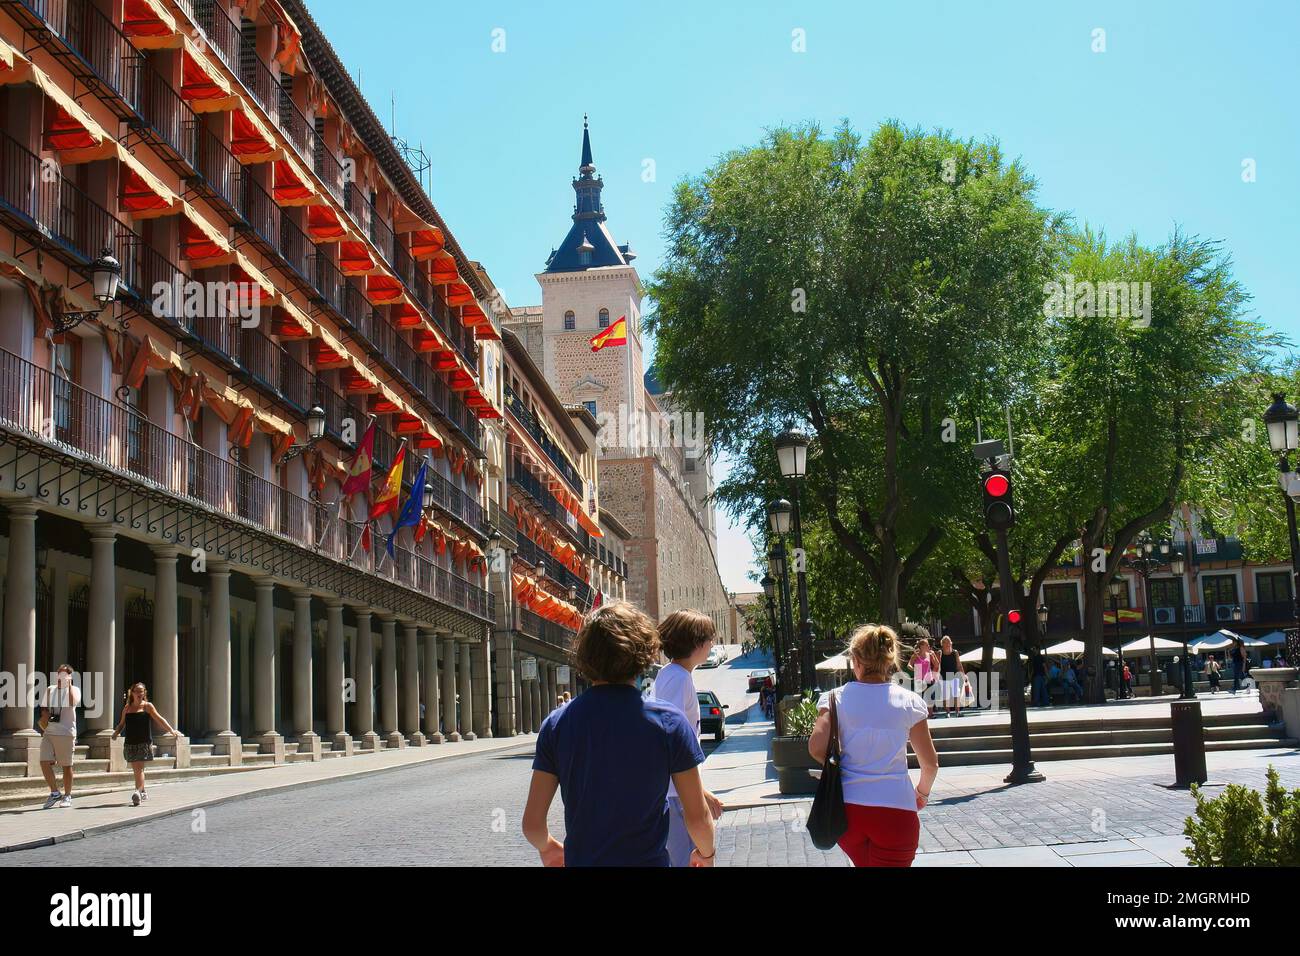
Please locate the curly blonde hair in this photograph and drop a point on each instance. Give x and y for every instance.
(876, 649)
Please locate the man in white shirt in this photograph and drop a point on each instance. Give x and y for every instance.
(686, 638)
(59, 734)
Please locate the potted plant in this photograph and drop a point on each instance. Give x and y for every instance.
(1241, 828)
(790, 751)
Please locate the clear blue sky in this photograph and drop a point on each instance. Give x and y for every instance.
(1147, 135)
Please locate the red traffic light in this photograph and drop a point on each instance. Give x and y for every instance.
(1013, 617)
(996, 484)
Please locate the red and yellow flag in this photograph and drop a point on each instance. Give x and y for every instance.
(616, 334)
(1127, 615)
(386, 500)
(359, 468)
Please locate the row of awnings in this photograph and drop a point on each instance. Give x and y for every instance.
(77, 137)
(541, 465)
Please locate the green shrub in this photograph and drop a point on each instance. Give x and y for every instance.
(1239, 828)
(800, 717)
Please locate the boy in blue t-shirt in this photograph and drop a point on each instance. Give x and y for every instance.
(611, 754)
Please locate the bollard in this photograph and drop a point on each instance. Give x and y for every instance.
(1189, 743)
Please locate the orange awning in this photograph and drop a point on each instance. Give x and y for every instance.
(202, 85)
(472, 315)
(354, 258)
(140, 192)
(426, 243)
(323, 225)
(444, 269)
(147, 20)
(292, 187)
(250, 141)
(65, 130)
(427, 341)
(137, 196)
(291, 322)
(327, 352)
(487, 331)
(200, 241)
(459, 294)
(383, 289)
(404, 315)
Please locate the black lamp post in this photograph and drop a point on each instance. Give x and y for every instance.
(105, 280)
(777, 564)
(792, 456)
(769, 590)
(1115, 587)
(1178, 567)
(1145, 562)
(1283, 424)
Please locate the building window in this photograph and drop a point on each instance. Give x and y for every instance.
(1273, 589)
(591, 407)
(570, 322)
(604, 318)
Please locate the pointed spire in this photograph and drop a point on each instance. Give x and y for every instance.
(587, 167)
(586, 245)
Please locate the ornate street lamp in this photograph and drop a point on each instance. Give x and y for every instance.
(778, 516)
(1116, 587)
(1043, 611)
(792, 457)
(792, 453)
(1178, 567)
(315, 432)
(1283, 424)
(105, 280)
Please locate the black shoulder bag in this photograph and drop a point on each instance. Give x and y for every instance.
(827, 821)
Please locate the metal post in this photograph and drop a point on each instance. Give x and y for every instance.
(1022, 768)
(1293, 639)
(807, 664)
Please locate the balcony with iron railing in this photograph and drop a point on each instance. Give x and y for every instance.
(528, 422)
(550, 505)
(219, 27)
(548, 632)
(52, 411)
(533, 555)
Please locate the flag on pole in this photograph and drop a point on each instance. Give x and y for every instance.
(361, 466)
(616, 334)
(410, 514)
(386, 500)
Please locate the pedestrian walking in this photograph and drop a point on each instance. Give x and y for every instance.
(612, 753)
(925, 670)
(877, 718)
(1126, 683)
(1073, 690)
(1212, 669)
(951, 675)
(137, 720)
(686, 638)
(1238, 664)
(1038, 681)
(58, 723)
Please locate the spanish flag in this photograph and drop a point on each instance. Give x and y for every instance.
(359, 468)
(616, 334)
(386, 500)
(1127, 615)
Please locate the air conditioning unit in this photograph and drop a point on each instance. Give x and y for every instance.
(1223, 612)
(1166, 615)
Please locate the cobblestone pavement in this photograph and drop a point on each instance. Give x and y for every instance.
(1066, 811)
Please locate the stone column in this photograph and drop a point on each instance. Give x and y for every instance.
(432, 713)
(365, 677)
(335, 714)
(479, 659)
(552, 688)
(539, 710)
(165, 692)
(265, 652)
(524, 697)
(20, 741)
(449, 724)
(465, 690)
(224, 740)
(303, 728)
(101, 655)
(507, 712)
(388, 683)
(411, 683)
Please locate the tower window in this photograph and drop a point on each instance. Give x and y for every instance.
(570, 322)
(604, 318)
(584, 258)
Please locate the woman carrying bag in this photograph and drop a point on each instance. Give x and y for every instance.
(874, 720)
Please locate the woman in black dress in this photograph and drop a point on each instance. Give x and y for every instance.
(138, 717)
(952, 673)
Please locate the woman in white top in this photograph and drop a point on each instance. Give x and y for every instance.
(877, 719)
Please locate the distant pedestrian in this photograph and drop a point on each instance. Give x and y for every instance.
(1126, 683)
(567, 697)
(59, 734)
(925, 671)
(1238, 664)
(1212, 669)
(1038, 680)
(952, 675)
(687, 640)
(138, 718)
(612, 754)
(1073, 690)
(877, 719)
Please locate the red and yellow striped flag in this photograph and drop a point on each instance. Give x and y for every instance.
(386, 500)
(616, 334)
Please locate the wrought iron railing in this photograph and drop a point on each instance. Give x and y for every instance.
(58, 413)
(529, 423)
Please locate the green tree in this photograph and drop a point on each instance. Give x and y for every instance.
(867, 292)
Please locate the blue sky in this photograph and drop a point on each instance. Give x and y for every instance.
(1149, 134)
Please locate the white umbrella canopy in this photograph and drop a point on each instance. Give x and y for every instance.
(1074, 646)
(1143, 646)
(1219, 640)
(1277, 637)
(977, 655)
(836, 662)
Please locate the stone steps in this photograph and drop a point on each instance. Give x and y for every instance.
(1004, 756)
(33, 790)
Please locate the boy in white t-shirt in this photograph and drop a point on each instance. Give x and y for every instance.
(59, 734)
(686, 638)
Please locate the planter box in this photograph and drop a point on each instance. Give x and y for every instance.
(792, 761)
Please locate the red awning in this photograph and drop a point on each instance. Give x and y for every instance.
(65, 131)
(405, 316)
(147, 18)
(459, 294)
(426, 243)
(487, 332)
(354, 258)
(250, 142)
(291, 187)
(327, 353)
(472, 315)
(137, 195)
(199, 244)
(383, 289)
(202, 85)
(444, 269)
(323, 225)
(426, 341)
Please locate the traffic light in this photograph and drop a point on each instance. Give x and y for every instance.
(999, 513)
